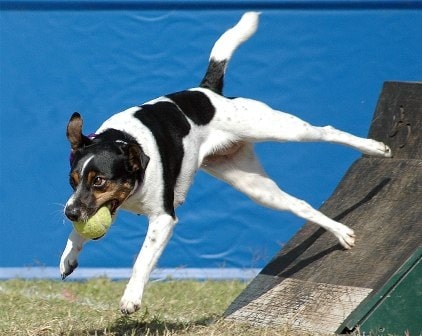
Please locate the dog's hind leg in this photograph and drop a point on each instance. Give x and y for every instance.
(254, 121)
(243, 171)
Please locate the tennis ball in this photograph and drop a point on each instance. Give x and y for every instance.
(96, 226)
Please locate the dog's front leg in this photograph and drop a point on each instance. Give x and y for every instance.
(69, 259)
(159, 232)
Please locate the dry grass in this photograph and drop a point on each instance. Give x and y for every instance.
(34, 308)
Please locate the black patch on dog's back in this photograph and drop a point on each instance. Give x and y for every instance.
(195, 105)
(169, 126)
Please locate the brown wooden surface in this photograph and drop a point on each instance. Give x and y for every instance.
(381, 199)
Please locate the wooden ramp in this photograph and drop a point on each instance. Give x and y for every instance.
(313, 285)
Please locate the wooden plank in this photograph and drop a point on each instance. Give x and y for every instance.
(380, 199)
(320, 307)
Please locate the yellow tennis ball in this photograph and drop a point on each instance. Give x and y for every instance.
(95, 227)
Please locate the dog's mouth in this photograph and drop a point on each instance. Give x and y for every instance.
(112, 205)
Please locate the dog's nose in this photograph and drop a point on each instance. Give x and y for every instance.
(72, 213)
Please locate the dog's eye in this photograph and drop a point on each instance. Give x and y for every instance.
(99, 181)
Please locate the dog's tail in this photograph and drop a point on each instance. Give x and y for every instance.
(224, 48)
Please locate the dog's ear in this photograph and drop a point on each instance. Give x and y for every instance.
(74, 132)
(138, 160)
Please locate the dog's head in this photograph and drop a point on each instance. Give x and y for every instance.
(105, 170)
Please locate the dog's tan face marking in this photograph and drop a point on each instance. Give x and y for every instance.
(102, 191)
(75, 179)
(112, 192)
(90, 179)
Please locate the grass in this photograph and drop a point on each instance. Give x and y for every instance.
(169, 308)
(41, 307)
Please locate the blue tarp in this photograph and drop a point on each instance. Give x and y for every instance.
(326, 65)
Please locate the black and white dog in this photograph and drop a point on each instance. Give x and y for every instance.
(144, 159)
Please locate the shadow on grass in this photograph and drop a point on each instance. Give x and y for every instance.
(127, 326)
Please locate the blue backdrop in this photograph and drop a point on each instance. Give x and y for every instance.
(324, 63)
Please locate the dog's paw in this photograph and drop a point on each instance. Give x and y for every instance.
(67, 266)
(384, 150)
(377, 148)
(131, 299)
(388, 152)
(129, 306)
(346, 237)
